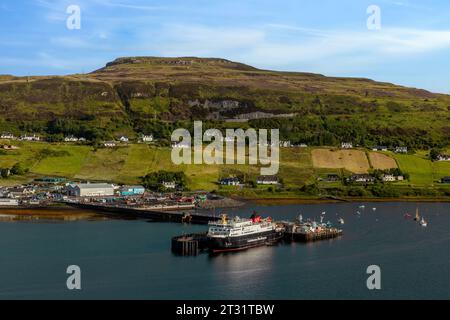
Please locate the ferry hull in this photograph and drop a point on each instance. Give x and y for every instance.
(231, 244)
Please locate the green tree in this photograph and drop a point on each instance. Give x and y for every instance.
(18, 170)
(4, 173)
(434, 154)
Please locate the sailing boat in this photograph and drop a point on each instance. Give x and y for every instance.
(423, 222)
(417, 218)
(341, 221)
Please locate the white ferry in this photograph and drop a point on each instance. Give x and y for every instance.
(241, 234)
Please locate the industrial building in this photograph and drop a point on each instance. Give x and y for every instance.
(91, 190)
(132, 190)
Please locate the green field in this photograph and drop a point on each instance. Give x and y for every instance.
(128, 163)
(422, 171)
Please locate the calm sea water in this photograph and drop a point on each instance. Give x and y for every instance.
(132, 259)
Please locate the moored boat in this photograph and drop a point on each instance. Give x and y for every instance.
(417, 217)
(238, 234)
(423, 222)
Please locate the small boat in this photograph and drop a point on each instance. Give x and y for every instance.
(324, 213)
(362, 207)
(423, 222)
(407, 216)
(417, 217)
(374, 209)
(341, 221)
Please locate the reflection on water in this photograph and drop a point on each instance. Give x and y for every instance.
(235, 270)
(132, 259)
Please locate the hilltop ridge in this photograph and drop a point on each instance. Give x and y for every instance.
(128, 93)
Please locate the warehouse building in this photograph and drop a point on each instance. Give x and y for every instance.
(91, 190)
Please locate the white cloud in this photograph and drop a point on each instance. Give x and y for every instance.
(281, 45)
(118, 4)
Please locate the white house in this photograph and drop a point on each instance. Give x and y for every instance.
(30, 138)
(169, 184)
(388, 178)
(91, 190)
(109, 144)
(71, 139)
(391, 178)
(7, 136)
(230, 182)
(401, 150)
(267, 180)
(303, 145)
(124, 139)
(380, 148)
(285, 144)
(8, 202)
(147, 138)
(182, 145)
(361, 178)
(347, 145)
(443, 157)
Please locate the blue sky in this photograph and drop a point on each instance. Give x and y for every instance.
(329, 37)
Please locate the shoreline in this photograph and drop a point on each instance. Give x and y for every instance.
(68, 213)
(55, 212)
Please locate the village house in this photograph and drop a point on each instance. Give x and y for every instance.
(380, 148)
(3, 192)
(8, 202)
(361, 178)
(443, 157)
(169, 184)
(230, 182)
(391, 178)
(181, 145)
(267, 180)
(346, 145)
(30, 138)
(445, 180)
(401, 150)
(19, 192)
(285, 144)
(303, 145)
(147, 138)
(124, 139)
(7, 136)
(71, 139)
(109, 144)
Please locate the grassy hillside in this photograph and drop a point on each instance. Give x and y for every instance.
(298, 168)
(129, 94)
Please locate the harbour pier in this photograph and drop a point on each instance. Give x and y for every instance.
(177, 215)
(308, 232)
(189, 245)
